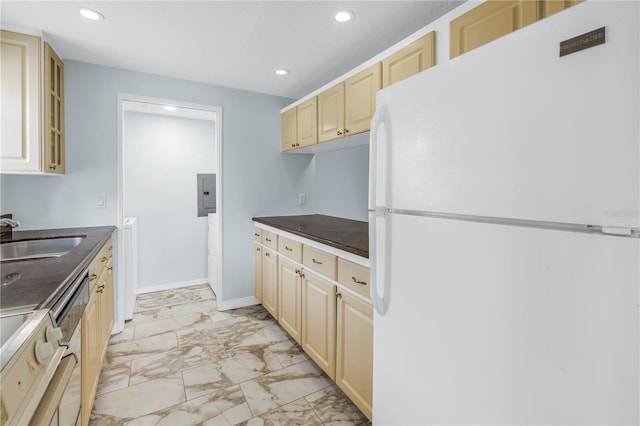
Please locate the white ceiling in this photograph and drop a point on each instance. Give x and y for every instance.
(228, 43)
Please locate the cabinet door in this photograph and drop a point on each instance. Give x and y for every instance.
(319, 321)
(307, 123)
(53, 111)
(290, 298)
(90, 367)
(109, 304)
(257, 276)
(103, 315)
(288, 129)
(488, 22)
(410, 60)
(270, 282)
(549, 7)
(20, 102)
(360, 99)
(354, 353)
(331, 113)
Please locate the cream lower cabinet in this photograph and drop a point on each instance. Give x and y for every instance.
(290, 298)
(269, 275)
(97, 323)
(257, 276)
(91, 362)
(319, 321)
(354, 351)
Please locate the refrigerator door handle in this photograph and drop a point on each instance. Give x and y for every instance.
(378, 161)
(380, 258)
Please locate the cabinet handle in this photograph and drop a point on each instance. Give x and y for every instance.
(92, 277)
(346, 131)
(339, 132)
(110, 268)
(298, 271)
(297, 144)
(53, 167)
(355, 280)
(293, 145)
(267, 254)
(256, 235)
(287, 248)
(339, 295)
(317, 262)
(103, 259)
(268, 240)
(257, 248)
(110, 248)
(101, 290)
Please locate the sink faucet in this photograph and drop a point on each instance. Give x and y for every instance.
(9, 222)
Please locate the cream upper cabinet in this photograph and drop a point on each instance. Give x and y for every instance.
(289, 129)
(410, 60)
(22, 147)
(360, 99)
(290, 298)
(53, 111)
(270, 281)
(307, 119)
(489, 21)
(20, 138)
(319, 321)
(331, 113)
(550, 7)
(354, 351)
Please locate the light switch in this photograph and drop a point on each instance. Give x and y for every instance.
(101, 201)
(302, 199)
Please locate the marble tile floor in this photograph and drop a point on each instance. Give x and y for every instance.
(180, 362)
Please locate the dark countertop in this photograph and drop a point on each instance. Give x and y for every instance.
(345, 234)
(42, 281)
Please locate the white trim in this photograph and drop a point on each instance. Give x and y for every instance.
(171, 286)
(121, 98)
(237, 303)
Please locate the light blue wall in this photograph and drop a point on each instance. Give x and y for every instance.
(342, 182)
(162, 157)
(258, 179)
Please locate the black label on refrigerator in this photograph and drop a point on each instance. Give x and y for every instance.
(584, 41)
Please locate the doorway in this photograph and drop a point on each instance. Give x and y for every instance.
(163, 146)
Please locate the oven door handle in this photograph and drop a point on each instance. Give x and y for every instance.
(52, 396)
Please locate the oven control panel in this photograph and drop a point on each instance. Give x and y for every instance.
(26, 377)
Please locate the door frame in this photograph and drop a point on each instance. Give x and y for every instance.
(118, 324)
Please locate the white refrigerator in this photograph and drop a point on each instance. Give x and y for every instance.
(504, 231)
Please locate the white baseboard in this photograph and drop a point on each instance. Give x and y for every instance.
(237, 303)
(171, 286)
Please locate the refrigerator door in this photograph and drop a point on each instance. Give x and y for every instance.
(512, 130)
(493, 324)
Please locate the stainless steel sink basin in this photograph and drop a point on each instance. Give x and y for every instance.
(35, 249)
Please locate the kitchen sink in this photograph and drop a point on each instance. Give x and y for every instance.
(35, 249)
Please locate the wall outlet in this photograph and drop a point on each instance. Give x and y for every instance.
(101, 201)
(302, 199)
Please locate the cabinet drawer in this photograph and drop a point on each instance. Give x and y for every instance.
(290, 248)
(354, 277)
(319, 261)
(257, 234)
(99, 263)
(270, 239)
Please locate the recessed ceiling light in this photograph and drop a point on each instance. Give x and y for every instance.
(169, 108)
(94, 15)
(282, 72)
(344, 16)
